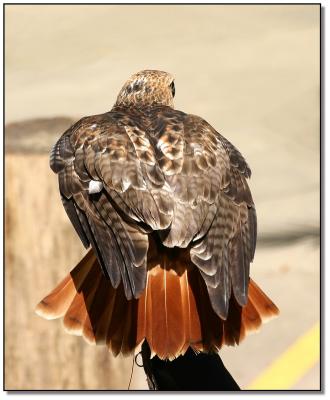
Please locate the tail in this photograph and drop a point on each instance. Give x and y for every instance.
(173, 313)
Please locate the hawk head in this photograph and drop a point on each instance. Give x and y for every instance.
(147, 88)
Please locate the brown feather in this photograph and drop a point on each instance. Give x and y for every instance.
(142, 312)
(59, 299)
(173, 313)
(102, 322)
(57, 302)
(264, 306)
(75, 316)
(167, 312)
(192, 324)
(129, 337)
(251, 320)
(117, 323)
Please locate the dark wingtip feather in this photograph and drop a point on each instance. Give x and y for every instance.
(71, 211)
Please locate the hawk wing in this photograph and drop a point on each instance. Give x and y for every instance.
(213, 210)
(126, 173)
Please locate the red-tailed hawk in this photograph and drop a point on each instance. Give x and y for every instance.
(162, 201)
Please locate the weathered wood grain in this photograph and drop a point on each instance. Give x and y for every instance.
(40, 248)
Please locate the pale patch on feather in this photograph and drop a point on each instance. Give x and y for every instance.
(161, 144)
(77, 331)
(45, 313)
(197, 149)
(95, 187)
(126, 183)
(167, 187)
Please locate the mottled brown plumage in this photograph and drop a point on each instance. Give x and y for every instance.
(162, 199)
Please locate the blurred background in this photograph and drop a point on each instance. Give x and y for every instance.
(250, 71)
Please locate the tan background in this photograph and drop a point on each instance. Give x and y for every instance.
(251, 71)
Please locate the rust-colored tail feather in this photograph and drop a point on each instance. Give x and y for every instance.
(262, 303)
(173, 313)
(59, 299)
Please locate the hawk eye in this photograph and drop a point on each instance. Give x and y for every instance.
(172, 88)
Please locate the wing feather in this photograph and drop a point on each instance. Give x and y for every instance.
(213, 212)
(163, 170)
